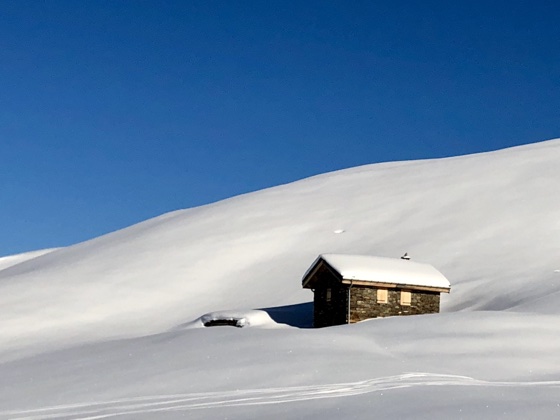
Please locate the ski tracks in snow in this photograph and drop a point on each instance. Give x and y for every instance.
(208, 400)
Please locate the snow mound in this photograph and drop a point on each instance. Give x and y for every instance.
(235, 318)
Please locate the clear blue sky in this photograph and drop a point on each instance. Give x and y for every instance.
(112, 112)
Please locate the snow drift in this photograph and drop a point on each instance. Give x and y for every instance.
(489, 222)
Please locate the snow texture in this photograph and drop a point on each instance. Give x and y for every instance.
(9, 261)
(111, 328)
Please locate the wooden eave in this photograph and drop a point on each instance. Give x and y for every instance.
(395, 286)
(308, 284)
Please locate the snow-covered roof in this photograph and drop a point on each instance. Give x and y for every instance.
(384, 270)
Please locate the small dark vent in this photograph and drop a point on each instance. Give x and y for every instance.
(231, 322)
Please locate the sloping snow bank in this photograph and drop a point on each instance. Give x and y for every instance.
(468, 365)
(488, 222)
(11, 260)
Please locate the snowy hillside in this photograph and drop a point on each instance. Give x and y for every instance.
(106, 328)
(11, 260)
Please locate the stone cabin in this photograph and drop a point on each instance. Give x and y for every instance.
(351, 288)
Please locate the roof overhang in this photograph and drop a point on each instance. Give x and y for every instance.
(307, 283)
(346, 269)
(376, 284)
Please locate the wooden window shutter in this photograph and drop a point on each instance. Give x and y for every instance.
(381, 295)
(406, 298)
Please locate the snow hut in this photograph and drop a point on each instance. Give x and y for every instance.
(351, 288)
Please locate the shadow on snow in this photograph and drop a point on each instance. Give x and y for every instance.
(299, 315)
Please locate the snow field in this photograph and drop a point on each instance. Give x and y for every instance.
(104, 329)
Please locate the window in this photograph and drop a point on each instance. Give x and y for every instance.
(406, 298)
(381, 295)
(329, 294)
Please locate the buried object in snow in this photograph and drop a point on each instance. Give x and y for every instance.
(218, 319)
(232, 322)
(236, 318)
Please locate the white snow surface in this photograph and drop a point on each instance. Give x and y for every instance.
(385, 270)
(103, 329)
(12, 260)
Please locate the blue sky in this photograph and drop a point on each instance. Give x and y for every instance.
(112, 112)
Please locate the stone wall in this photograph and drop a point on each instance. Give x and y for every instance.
(363, 302)
(330, 301)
